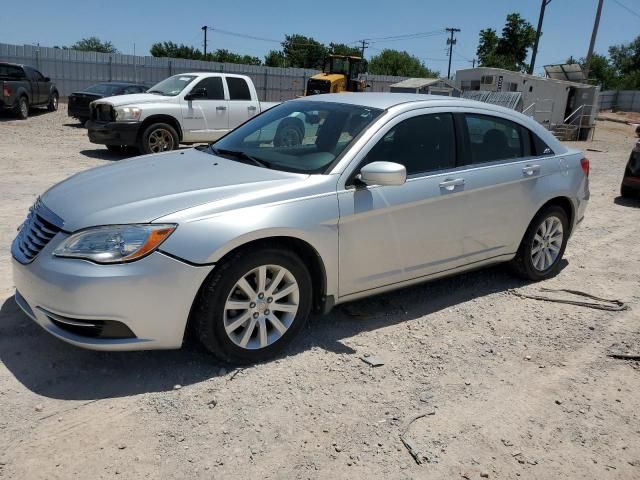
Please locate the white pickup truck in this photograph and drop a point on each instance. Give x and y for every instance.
(186, 108)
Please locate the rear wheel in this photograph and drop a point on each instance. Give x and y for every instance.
(253, 305)
(22, 108)
(543, 245)
(53, 102)
(628, 192)
(159, 137)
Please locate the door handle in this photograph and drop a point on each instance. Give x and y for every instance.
(221, 107)
(530, 170)
(451, 183)
(252, 107)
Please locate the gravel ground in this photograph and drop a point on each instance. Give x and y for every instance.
(504, 387)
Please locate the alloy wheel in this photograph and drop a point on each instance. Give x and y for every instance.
(547, 243)
(261, 307)
(160, 140)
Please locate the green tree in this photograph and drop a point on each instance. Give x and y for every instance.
(173, 50)
(225, 56)
(625, 60)
(394, 62)
(303, 52)
(275, 58)
(93, 44)
(343, 49)
(508, 51)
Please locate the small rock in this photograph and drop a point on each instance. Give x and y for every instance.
(558, 402)
(528, 357)
(122, 446)
(467, 382)
(591, 327)
(372, 360)
(212, 403)
(338, 448)
(39, 407)
(484, 474)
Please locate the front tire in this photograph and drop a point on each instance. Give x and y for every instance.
(159, 137)
(543, 245)
(53, 102)
(253, 305)
(628, 192)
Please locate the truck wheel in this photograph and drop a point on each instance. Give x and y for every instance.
(53, 102)
(22, 108)
(159, 137)
(290, 133)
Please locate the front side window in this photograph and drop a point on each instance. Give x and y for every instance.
(213, 87)
(172, 86)
(238, 89)
(424, 143)
(297, 136)
(494, 138)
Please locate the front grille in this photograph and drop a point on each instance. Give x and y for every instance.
(102, 112)
(37, 230)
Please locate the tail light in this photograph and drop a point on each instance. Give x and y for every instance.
(6, 89)
(584, 163)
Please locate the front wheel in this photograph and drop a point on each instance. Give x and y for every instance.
(628, 192)
(543, 245)
(22, 108)
(253, 305)
(159, 137)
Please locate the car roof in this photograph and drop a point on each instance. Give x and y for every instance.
(381, 100)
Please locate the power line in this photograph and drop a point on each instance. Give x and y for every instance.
(627, 8)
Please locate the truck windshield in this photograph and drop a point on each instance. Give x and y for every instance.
(106, 89)
(297, 136)
(172, 86)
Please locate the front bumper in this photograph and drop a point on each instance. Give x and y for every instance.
(151, 297)
(113, 133)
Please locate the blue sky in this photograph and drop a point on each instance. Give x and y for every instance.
(567, 26)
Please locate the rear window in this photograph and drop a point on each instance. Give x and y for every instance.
(238, 89)
(106, 89)
(493, 138)
(11, 72)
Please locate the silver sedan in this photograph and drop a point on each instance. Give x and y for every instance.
(313, 203)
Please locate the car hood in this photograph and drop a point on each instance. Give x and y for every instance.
(142, 189)
(135, 99)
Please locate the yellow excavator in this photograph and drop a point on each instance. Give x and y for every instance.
(340, 74)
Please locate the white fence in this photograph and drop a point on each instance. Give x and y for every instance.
(625, 100)
(73, 70)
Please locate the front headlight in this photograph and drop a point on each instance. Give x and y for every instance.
(124, 114)
(115, 243)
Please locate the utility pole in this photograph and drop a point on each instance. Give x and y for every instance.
(451, 42)
(204, 29)
(543, 5)
(593, 41)
(473, 63)
(365, 44)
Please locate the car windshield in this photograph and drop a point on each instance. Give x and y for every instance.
(106, 89)
(172, 86)
(296, 136)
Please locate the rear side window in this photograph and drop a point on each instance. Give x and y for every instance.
(494, 138)
(424, 143)
(33, 74)
(238, 89)
(540, 148)
(213, 86)
(11, 72)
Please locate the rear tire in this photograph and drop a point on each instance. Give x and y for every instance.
(159, 137)
(22, 108)
(628, 192)
(53, 102)
(543, 245)
(263, 321)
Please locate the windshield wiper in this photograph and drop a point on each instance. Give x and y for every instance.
(240, 155)
(156, 91)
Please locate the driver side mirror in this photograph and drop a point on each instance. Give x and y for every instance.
(47, 79)
(196, 94)
(383, 173)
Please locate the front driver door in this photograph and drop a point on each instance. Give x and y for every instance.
(206, 119)
(390, 234)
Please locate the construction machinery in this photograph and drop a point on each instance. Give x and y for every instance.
(339, 74)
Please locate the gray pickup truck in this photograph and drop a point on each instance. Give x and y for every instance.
(24, 87)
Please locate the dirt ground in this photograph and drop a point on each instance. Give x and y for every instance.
(509, 387)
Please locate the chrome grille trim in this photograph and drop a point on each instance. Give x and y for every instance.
(36, 232)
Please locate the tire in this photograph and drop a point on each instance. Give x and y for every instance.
(159, 137)
(22, 108)
(212, 312)
(628, 192)
(53, 102)
(289, 133)
(536, 266)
